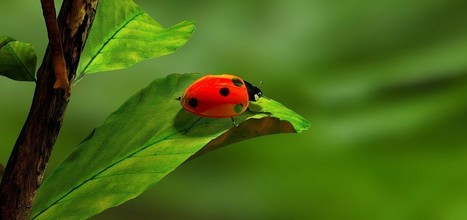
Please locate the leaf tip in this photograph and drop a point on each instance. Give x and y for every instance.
(305, 126)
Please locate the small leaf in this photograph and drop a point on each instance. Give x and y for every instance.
(123, 34)
(142, 142)
(17, 59)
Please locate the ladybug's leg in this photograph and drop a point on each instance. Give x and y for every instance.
(191, 126)
(234, 123)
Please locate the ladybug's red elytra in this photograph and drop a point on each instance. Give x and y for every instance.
(219, 96)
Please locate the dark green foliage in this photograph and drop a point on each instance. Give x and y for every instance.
(17, 59)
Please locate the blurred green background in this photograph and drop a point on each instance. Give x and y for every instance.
(384, 84)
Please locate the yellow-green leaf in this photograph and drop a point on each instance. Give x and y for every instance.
(123, 34)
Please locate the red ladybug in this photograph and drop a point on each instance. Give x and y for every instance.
(219, 96)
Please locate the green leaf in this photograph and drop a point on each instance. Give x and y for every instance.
(17, 59)
(123, 34)
(142, 142)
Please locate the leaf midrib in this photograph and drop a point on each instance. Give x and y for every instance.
(111, 38)
(103, 170)
(23, 66)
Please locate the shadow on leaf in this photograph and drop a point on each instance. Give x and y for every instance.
(194, 126)
(248, 129)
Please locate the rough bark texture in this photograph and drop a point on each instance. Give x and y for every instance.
(25, 169)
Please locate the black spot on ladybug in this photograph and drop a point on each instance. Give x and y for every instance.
(224, 91)
(238, 108)
(193, 102)
(238, 82)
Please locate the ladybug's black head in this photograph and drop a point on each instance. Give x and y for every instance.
(254, 93)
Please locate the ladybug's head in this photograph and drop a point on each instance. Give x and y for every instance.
(254, 93)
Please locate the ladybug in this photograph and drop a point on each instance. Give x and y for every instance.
(219, 96)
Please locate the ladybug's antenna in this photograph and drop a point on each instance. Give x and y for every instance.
(259, 87)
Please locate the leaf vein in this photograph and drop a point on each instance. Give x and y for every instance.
(23, 66)
(131, 173)
(111, 38)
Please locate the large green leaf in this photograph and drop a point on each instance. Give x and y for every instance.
(123, 34)
(142, 142)
(17, 59)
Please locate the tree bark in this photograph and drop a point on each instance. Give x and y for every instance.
(26, 165)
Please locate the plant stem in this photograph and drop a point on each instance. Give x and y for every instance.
(26, 165)
(61, 76)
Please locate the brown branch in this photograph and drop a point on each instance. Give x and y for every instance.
(25, 169)
(2, 169)
(50, 17)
